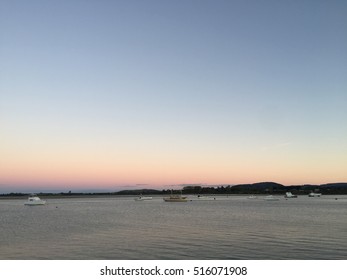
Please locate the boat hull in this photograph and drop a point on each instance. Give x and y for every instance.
(168, 199)
(314, 195)
(40, 203)
(271, 198)
(143, 198)
(206, 198)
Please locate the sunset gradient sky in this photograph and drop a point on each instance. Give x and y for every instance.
(106, 94)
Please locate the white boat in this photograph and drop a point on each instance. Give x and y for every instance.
(252, 197)
(312, 194)
(290, 195)
(34, 200)
(271, 198)
(202, 197)
(142, 198)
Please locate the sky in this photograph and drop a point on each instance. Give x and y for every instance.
(115, 94)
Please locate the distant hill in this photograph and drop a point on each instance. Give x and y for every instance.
(259, 187)
(139, 192)
(334, 185)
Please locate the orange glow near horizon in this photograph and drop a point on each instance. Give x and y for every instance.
(109, 173)
(75, 164)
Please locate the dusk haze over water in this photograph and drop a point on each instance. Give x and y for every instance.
(110, 94)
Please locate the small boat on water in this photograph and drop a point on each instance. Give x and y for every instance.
(175, 198)
(252, 197)
(34, 200)
(271, 198)
(290, 195)
(202, 197)
(142, 198)
(312, 194)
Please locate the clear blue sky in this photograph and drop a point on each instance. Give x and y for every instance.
(165, 92)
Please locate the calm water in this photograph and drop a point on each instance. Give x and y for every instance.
(227, 228)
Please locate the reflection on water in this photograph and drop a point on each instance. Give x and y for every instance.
(227, 228)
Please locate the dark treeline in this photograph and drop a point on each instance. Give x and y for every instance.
(257, 188)
(268, 188)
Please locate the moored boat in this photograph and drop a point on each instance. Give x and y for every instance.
(290, 195)
(142, 198)
(202, 197)
(312, 194)
(271, 198)
(175, 198)
(34, 200)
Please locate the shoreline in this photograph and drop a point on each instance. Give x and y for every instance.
(78, 196)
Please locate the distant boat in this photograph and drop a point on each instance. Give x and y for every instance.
(312, 194)
(34, 200)
(202, 197)
(142, 198)
(271, 198)
(252, 197)
(175, 198)
(290, 195)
